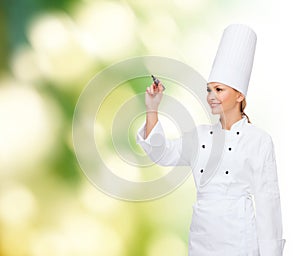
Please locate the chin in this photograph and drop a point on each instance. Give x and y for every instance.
(215, 112)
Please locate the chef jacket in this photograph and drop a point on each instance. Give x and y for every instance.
(238, 212)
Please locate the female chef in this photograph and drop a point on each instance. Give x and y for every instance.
(238, 211)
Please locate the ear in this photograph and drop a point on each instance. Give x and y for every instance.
(240, 97)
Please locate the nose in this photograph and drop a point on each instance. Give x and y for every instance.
(211, 95)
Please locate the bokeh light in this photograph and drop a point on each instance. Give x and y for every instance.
(60, 55)
(106, 28)
(29, 126)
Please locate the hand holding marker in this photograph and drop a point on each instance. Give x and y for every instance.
(156, 81)
(154, 95)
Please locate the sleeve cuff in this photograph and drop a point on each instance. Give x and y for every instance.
(271, 247)
(152, 139)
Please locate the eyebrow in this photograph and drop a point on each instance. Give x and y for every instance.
(213, 86)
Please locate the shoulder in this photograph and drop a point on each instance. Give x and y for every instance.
(254, 129)
(255, 132)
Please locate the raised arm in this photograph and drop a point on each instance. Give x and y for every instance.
(153, 98)
(152, 138)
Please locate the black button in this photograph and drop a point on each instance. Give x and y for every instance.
(237, 133)
(229, 149)
(227, 172)
(211, 132)
(201, 170)
(203, 146)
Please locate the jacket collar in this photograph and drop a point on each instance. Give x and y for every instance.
(236, 126)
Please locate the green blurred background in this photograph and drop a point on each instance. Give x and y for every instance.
(49, 51)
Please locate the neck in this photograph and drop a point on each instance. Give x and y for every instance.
(228, 120)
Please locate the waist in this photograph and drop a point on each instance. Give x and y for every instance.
(219, 196)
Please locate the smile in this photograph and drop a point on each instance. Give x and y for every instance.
(213, 105)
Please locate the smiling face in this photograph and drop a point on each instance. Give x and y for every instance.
(223, 99)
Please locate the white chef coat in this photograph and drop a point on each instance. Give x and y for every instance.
(238, 213)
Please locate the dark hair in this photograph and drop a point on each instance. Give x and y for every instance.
(243, 106)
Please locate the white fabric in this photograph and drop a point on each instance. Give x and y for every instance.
(234, 59)
(225, 221)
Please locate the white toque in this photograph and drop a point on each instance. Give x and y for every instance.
(234, 60)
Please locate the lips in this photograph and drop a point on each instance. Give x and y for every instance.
(213, 105)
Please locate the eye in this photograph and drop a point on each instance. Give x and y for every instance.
(208, 90)
(218, 89)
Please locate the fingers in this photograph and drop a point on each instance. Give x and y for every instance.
(150, 90)
(161, 88)
(154, 89)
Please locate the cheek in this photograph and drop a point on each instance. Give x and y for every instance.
(227, 100)
(226, 96)
(222, 97)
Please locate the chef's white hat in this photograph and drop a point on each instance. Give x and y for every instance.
(234, 60)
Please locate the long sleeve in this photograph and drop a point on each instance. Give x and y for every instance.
(267, 204)
(163, 151)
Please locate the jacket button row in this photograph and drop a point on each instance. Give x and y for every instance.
(227, 172)
(229, 149)
(203, 146)
(237, 133)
